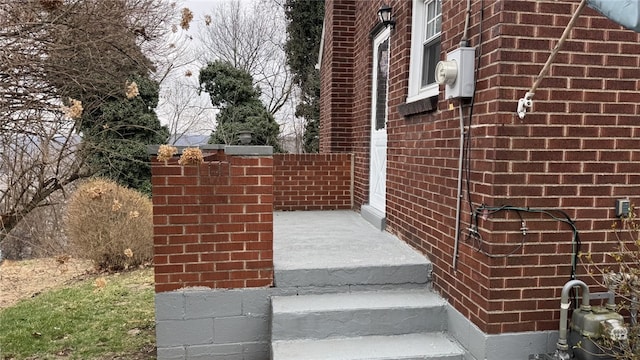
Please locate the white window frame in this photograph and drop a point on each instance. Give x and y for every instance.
(418, 34)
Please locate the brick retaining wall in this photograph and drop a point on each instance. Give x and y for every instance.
(213, 222)
(312, 181)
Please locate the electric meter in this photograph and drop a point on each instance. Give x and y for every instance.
(457, 73)
(446, 72)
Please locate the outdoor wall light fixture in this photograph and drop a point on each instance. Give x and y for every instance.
(384, 13)
(245, 137)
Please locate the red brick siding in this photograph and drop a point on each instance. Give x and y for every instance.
(346, 103)
(213, 223)
(564, 155)
(336, 100)
(576, 151)
(312, 181)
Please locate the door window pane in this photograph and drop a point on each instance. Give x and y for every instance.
(381, 84)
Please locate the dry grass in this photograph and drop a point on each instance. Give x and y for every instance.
(25, 279)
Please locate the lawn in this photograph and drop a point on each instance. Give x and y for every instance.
(103, 317)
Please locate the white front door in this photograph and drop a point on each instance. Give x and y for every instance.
(378, 153)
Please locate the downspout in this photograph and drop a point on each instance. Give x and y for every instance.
(464, 42)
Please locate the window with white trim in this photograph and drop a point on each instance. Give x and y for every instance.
(425, 49)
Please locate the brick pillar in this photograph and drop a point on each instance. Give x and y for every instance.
(213, 222)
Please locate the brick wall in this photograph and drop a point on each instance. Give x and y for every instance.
(213, 223)
(576, 152)
(312, 181)
(336, 100)
(573, 153)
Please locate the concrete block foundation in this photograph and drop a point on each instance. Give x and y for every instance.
(214, 324)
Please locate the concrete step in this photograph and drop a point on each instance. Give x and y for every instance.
(417, 273)
(360, 293)
(339, 248)
(431, 346)
(388, 312)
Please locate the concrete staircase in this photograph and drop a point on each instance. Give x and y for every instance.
(371, 303)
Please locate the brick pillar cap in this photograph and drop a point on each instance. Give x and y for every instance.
(248, 150)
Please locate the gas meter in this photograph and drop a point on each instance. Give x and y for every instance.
(588, 326)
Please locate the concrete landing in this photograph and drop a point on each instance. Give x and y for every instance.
(334, 248)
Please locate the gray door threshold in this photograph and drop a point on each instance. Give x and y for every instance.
(374, 216)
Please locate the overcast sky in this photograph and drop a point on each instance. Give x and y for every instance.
(200, 8)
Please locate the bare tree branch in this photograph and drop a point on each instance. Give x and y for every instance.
(240, 34)
(51, 51)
